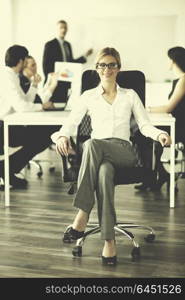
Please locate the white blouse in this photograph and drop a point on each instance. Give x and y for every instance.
(109, 120)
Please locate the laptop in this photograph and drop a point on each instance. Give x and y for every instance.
(70, 76)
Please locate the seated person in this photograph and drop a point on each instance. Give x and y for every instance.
(175, 106)
(29, 73)
(33, 139)
(110, 108)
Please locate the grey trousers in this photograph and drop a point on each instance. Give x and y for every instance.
(99, 160)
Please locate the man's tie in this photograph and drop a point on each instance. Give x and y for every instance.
(66, 50)
(63, 52)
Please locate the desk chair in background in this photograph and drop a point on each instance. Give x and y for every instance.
(36, 161)
(179, 163)
(180, 147)
(126, 79)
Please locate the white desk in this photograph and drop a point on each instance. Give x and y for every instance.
(57, 118)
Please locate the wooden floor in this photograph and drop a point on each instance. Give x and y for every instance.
(32, 227)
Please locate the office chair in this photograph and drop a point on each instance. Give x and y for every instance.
(126, 79)
(180, 147)
(179, 163)
(37, 163)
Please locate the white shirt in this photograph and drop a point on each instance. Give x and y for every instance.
(12, 97)
(109, 120)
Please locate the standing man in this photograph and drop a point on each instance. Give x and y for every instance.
(59, 49)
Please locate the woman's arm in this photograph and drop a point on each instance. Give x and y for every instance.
(62, 137)
(79, 110)
(144, 124)
(174, 100)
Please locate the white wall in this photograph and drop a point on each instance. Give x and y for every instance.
(141, 30)
(6, 27)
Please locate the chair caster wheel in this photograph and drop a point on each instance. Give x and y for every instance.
(67, 239)
(77, 251)
(39, 174)
(149, 238)
(52, 169)
(135, 253)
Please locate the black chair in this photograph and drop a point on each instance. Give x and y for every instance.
(180, 147)
(37, 163)
(126, 79)
(179, 163)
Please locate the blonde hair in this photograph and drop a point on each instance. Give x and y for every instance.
(108, 51)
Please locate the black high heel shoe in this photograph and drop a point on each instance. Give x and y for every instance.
(109, 261)
(142, 187)
(149, 183)
(71, 235)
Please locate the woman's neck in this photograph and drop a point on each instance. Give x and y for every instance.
(108, 87)
(178, 72)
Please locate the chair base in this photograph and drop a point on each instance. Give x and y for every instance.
(120, 228)
(36, 163)
(72, 188)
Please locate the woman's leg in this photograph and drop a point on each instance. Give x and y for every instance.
(80, 221)
(109, 249)
(87, 179)
(118, 152)
(105, 206)
(105, 200)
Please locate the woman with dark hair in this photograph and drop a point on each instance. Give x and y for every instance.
(110, 108)
(176, 103)
(175, 106)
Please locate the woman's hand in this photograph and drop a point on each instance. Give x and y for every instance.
(36, 79)
(164, 139)
(63, 146)
(52, 81)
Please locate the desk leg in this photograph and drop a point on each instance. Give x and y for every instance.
(172, 167)
(7, 177)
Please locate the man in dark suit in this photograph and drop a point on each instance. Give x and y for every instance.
(59, 49)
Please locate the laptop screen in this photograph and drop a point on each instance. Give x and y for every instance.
(69, 81)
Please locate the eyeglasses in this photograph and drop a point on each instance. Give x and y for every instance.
(110, 66)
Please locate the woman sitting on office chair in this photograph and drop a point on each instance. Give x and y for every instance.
(110, 108)
(175, 106)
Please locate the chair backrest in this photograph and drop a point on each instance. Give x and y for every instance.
(126, 79)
